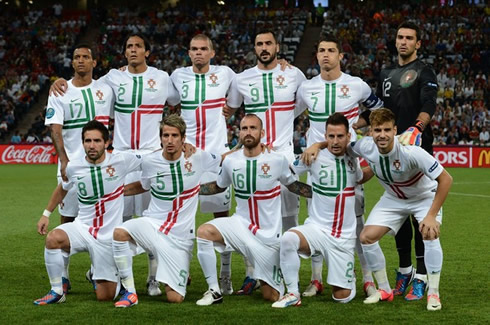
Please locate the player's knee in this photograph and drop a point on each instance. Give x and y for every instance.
(121, 234)
(366, 238)
(104, 295)
(340, 293)
(174, 297)
(56, 238)
(207, 231)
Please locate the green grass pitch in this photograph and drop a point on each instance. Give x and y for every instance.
(25, 191)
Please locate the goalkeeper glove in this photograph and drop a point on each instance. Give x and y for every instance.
(413, 135)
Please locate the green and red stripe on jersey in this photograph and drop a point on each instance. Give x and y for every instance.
(388, 179)
(253, 205)
(89, 106)
(177, 204)
(270, 108)
(177, 184)
(98, 221)
(137, 109)
(338, 217)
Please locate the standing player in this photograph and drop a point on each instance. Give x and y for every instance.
(255, 229)
(415, 184)
(203, 89)
(334, 91)
(99, 180)
(140, 95)
(330, 229)
(85, 100)
(270, 93)
(409, 89)
(168, 226)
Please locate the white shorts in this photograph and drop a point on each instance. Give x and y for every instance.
(69, 206)
(100, 251)
(391, 212)
(135, 205)
(359, 196)
(338, 254)
(289, 203)
(264, 257)
(173, 255)
(214, 203)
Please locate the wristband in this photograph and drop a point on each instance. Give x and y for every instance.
(420, 125)
(46, 213)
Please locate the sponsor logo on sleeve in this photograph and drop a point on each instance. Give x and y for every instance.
(50, 112)
(433, 167)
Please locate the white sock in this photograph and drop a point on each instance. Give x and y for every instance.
(377, 264)
(433, 262)
(317, 267)
(249, 267)
(289, 222)
(290, 262)
(367, 276)
(66, 264)
(405, 270)
(124, 262)
(152, 267)
(422, 277)
(54, 265)
(225, 271)
(207, 259)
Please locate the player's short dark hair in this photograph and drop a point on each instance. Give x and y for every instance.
(96, 125)
(331, 39)
(88, 47)
(410, 25)
(202, 37)
(175, 121)
(337, 119)
(254, 116)
(140, 35)
(266, 31)
(381, 116)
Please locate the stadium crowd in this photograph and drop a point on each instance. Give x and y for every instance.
(459, 55)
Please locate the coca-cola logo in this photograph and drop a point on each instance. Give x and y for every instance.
(27, 155)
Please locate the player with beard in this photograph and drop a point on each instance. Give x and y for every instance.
(409, 89)
(270, 93)
(255, 229)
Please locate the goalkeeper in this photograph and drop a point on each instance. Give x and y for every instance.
(409, 89)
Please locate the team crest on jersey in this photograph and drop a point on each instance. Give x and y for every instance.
(280, 82)
(408, 78)
(350, 164)
(265, 170)
(151, 84)
(111, 171)
(213, 78)
(397, 166)
(345, 92)
(188, 167)
(100, 95)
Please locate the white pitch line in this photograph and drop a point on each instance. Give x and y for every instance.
(465, 183)
(473, 195)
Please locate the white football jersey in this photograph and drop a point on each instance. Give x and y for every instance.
(333, 202)
(100, 190)
(257, 190)
(138, 109)
(323, 98)
(407, 172)
(270, 94)
(174, 188)
(202, 97)
(78, 106)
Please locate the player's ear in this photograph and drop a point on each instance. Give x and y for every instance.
(94, 63)
(147, 53)
(418, 44)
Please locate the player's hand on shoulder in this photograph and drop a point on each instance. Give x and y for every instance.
(265, 147)
(284, 64)
(310, 154)
(58, 88)
(228, 111)
(429, 228)
(123, 68)
(188, 150)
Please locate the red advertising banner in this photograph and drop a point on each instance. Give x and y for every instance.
(28, 154)
(463, 156)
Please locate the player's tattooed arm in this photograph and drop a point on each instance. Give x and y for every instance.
(210, 188)
(57, 137)
(300, 188)
(133, 189)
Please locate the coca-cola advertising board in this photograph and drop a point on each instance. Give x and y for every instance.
(28, 154)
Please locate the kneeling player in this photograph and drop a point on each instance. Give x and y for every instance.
(415, 184)
(255, 229)
(167, 227)
(99, 178)
(330, 229)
